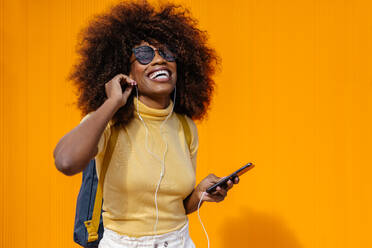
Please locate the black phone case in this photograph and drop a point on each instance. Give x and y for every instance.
(223, 182)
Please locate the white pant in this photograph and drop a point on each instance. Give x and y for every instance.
(176, 239)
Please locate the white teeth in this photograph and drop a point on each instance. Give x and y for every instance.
(162, 76)
(164, 73)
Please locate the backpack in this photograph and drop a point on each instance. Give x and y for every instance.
(88, 227)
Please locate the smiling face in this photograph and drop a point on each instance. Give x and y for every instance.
(156, 80)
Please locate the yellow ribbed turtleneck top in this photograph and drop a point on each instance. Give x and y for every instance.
(134, 171)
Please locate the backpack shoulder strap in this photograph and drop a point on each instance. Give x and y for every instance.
(186, 129)
(93, 224)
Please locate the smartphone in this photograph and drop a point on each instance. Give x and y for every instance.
(232, 176)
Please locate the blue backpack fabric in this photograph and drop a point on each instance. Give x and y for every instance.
(85, 205)
(87, 195)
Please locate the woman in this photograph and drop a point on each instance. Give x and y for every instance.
(140, 64)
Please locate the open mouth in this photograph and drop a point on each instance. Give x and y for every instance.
(160, 75)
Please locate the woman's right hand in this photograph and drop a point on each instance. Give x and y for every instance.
(114, 91)
(75, 149)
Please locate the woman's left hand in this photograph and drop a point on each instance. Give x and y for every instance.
(219, 194)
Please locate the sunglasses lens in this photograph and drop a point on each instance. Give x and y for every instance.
(144, 54)
(167, 55)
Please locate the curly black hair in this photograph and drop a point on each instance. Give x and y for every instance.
(106, 46)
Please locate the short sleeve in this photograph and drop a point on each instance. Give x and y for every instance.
(194, 141)
(102, 143)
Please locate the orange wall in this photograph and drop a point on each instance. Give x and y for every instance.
(293, 96)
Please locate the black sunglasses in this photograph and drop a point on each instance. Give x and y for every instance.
(145, 54)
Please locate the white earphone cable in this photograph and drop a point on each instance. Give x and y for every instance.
(162, 161)
(205, 231)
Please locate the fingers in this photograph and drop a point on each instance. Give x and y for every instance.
(236, 180)
(213, 197)
(125, 77)
(127, 91)
(114, 89)
(217, 196)
(131, 82)
(229, 184)
(119, 81)
(221, 191)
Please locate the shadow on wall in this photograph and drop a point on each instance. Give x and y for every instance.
(257, 230)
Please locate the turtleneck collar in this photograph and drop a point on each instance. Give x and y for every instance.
(151, 113)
